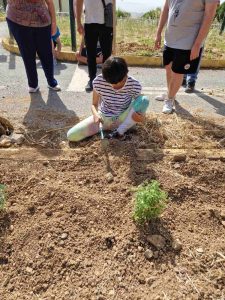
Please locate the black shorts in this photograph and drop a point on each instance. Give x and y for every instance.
(180, 59)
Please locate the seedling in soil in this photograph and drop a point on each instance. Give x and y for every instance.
(2, 196)
(150, 202)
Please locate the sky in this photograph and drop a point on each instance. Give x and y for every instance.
(140, 6)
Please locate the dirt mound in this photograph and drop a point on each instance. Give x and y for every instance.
(67, 231)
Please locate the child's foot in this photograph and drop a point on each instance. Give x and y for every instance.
(168, 106)
(161, 97)
(115, 135)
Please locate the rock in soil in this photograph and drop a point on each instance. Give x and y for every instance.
(64, 236)
(18, 138)
(149, 254)
(222, 214)
(156, 240)
(179, 157)
(200, 250)
(222, 142)
(5, 141)
(177, 245)
(109, 177)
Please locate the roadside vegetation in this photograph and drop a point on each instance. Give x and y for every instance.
(135, 36)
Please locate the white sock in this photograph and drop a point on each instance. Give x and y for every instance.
(128, 123)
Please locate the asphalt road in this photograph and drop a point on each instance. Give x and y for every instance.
(73, 102)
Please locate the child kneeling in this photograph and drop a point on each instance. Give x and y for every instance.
(117, 103)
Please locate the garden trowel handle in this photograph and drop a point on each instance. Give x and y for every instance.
(101, 130)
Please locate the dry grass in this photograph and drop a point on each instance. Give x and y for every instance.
(177, 132)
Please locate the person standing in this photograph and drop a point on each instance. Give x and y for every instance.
(94, 30)
(32, 23)
(188, 24)
(189, 82)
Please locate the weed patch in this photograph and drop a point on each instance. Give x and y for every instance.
(2, 196)
(150, 202)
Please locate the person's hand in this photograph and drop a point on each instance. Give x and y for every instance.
(80, 28)
(195, 52)
(158, 40)
(53, 28)
(97, 118)
(138, 117)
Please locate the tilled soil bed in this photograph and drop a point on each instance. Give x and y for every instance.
(67, 230)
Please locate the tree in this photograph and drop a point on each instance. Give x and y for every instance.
(122, 14)
(153, 14)
(220, 15)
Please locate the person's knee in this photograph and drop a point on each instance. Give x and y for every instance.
(73, 135)
(141, 104)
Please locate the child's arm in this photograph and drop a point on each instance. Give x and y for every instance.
(59, 44)
(53, 50)
(81, 44)
(94, 107)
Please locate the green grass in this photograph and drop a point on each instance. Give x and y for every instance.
(136, 37)
(2, 14)
(2, 196)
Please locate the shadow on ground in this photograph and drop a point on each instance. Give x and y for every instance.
(46, 123)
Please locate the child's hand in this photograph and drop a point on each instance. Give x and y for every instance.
(97, 119)
(138, 117)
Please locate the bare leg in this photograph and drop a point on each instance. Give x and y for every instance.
(163, 96)
(168, 75)
(175, 84)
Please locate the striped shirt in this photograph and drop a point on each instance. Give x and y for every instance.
(114, 102)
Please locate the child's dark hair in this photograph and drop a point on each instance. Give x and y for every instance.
(114, 69)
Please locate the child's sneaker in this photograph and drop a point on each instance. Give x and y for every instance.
(33, 90)
(56, 88)
(168, 106)
(115, 135)
(161, 97)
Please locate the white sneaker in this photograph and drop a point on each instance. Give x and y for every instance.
(56, 88)
(161, 97)
(168, 106)
(33, 90)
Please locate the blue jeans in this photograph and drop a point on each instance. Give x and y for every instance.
(192, 78)
(32, 41)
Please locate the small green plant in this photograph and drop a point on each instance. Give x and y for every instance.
(2, 196)
(150, 202)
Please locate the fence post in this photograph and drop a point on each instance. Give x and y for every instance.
(4, 4)
(114, 27)
(60, 5)
(72, 27)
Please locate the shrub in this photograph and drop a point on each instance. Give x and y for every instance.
(122, 14)
(153, 14)
(2, 196)
(150, 202)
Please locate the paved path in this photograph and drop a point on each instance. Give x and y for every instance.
(73, 103)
